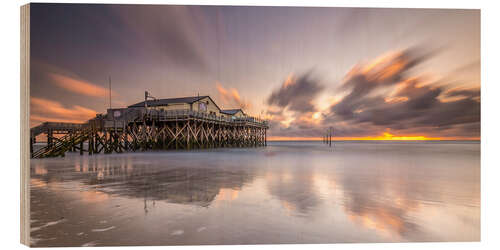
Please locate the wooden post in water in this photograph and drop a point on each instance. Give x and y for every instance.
(265, 137)
(327, 139)
(330, 135)
(49, 138)
(188, 139)
(176, 134)
(90, 145)
(105, 141)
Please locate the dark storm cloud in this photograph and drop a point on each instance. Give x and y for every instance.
(384, 71)
(95, 36)
(414, 102)
(472, 93)
(383, 95)
(296, 94)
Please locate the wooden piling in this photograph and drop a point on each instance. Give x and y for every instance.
(90, 143)
(49, 138)
(183, 132)
(328, 137)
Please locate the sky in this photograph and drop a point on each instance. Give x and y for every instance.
(368, 73)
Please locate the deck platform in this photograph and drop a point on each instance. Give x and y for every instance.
(140, 129)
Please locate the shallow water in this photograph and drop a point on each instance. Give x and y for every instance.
(287, 192)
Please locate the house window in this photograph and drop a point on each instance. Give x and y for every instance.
(202, 106)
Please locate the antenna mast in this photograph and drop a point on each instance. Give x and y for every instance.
(110, 92)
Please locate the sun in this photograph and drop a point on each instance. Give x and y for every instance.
(386, 136)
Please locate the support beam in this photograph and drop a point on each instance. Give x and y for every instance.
(154, 133)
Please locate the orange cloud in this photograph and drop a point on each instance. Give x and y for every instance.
(231, 96)
(386, 66)
(43, 110)
(37, 119)
(79, 86)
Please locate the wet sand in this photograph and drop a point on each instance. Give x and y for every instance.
(293, 192)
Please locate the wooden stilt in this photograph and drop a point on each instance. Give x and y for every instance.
(90, 143)
(153, 132)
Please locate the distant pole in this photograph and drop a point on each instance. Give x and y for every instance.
(110, 107)
(327, 138)
(330, 135)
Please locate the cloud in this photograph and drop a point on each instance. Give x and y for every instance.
(363, 79)
(381, 96)
(291, 110)
(165, 32)
(42, 110)
(79, 86)
(36, 119)
(384, 93)
(231, 97)
(296, 93)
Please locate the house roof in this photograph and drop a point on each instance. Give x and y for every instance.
(162, 102)
(231, 111)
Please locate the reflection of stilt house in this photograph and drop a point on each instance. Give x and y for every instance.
(193, 185)
(173, 123)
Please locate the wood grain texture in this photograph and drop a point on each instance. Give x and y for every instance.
(25, 106)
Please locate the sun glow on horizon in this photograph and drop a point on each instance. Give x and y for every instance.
(386, 136)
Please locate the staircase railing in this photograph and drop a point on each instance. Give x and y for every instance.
(62, 144)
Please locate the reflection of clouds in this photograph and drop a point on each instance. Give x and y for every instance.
(40, 170)
(383, 218)
(294, 190)
(37, 183)
(226, 194)
(326, 185)
(379, 206)
(367, 202)
(93, 196)
(428, 194)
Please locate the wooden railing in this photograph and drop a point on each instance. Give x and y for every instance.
(62, 126)
(163, 115)
(62, 144)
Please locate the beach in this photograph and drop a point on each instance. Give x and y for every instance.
(287, 192)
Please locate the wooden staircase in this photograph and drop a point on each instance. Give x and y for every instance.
(63, 144)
